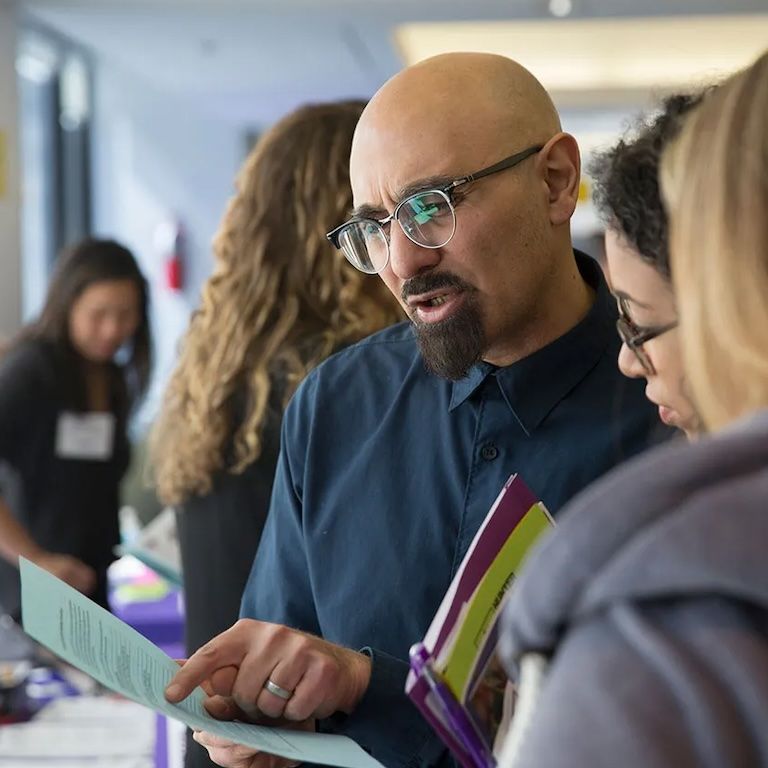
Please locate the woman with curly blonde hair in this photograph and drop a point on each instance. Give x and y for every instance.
(279, 301)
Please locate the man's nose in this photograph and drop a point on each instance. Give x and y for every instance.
(406, 259)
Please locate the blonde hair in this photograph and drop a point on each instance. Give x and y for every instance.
(279, 301)
(715, 183)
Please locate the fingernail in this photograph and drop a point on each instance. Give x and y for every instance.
(173, 691)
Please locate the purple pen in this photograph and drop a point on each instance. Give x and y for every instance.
(455, 715)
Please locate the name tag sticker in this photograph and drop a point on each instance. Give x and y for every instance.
(85, 436)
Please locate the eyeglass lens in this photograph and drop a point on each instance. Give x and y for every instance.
(426, 218)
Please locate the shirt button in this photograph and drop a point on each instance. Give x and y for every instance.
(489, 452)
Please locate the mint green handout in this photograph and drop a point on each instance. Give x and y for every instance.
(92, 639)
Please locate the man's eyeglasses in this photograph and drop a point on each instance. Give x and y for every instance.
(634, 336)
(427, 218)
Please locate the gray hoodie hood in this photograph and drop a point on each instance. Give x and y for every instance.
(682, 520)
(638, 631)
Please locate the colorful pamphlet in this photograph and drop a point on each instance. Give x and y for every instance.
(456, 680)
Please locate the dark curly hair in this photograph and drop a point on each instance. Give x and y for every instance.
(626, 191)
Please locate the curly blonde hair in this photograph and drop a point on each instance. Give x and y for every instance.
(279, 301)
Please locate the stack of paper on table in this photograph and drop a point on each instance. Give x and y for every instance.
(157, 546)
(82, 732)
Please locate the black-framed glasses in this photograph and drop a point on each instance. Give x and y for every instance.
(427, 218)
(635, 336)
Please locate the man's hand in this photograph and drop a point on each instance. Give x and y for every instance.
(309, 677)
(230, 755)
(69, 569)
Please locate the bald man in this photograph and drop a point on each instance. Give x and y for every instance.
(394, 450)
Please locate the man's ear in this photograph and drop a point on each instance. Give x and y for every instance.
(561, 165)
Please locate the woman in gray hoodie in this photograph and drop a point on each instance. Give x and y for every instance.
(639, 630)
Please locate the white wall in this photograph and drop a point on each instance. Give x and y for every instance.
(10, 246)
(596, 130)
(156, 156)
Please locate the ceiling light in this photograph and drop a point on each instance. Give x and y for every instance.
(560, 8)
(578, 56)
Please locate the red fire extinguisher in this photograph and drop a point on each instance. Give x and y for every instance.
(174, 254)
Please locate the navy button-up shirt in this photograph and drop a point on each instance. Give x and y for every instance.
(386, 472)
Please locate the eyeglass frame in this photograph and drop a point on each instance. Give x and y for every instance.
(634, 336)
(445, 191)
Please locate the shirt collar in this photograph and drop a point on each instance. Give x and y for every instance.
(532, 387)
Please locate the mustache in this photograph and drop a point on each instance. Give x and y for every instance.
(415, 286)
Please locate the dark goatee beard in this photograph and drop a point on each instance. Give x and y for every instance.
(450, 348)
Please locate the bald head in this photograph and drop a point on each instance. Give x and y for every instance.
(503, 273)
(488, 105)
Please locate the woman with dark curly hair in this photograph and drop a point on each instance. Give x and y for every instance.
(637, 255)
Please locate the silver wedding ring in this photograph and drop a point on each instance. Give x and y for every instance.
(277, 690)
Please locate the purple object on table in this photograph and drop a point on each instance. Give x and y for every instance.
(162, 623)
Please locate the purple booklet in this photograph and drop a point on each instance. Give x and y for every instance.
(456, 680)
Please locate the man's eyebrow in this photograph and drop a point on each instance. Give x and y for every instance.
(421, 185)
(370, 211)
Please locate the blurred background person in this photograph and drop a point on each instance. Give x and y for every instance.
(641, 626)
(280, 300)
(627, 196)
(68, 384)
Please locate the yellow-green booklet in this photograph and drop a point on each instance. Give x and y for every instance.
(456, 680)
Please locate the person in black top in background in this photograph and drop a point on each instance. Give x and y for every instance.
(64, 404)
(280, 300)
